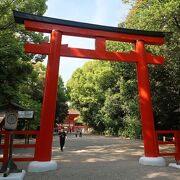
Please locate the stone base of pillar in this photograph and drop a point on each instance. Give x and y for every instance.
(174, 165)
(13, 176)
(152, 161)
(42, 166)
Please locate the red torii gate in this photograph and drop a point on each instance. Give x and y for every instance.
(55, 49)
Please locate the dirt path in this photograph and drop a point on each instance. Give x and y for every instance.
(101, 158)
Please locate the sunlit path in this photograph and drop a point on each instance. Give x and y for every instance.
(106, 158)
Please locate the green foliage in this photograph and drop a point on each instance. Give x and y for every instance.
(106, 93)
(18, 78)
(164, 16)
(100, 93)
(30, 94)
(61, 102)
(14, 63)
(29, 102)
(86, 94)
(21, 76)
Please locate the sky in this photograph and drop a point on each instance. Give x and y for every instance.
(101, 12)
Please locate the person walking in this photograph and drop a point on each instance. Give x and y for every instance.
(80, 133)
(62, 137)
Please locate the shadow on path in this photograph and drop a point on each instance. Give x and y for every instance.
(101, 158)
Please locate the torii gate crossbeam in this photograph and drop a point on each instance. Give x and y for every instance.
(54, 49)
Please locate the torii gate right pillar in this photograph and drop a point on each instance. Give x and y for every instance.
(146, 111)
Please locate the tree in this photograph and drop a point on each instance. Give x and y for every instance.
(30, 94)
(165, 80)
(21, 76)
(110, 98)
(61, 102)
(86, 94)
(15, 65)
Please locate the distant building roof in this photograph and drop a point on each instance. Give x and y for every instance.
(73, 111)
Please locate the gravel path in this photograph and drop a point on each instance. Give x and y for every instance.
(101, 158)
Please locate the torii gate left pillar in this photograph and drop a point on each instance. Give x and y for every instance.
(49, 100)
(43, 151)
(54, 49)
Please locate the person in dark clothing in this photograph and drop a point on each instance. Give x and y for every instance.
(62, 137)
(80, 133)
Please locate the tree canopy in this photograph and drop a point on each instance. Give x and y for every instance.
(22, 75)
(163, 16)
(61, 102)
(30, 94)
(106, 92)
(14, 63)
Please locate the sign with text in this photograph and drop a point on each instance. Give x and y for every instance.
(25, 114)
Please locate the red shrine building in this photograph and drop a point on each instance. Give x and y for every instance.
(71, 123)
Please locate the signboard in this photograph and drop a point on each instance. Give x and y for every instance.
(25, 114)
(11, 121)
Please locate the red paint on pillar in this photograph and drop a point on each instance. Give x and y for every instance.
(148, 129)
(177, 139)
(44, 145)
(100, 44)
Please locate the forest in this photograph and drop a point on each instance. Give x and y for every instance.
(22, 75)
(106, 92)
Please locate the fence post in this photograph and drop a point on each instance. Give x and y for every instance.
(177, 144)
(6, 146)
(35, 150)
(157, 139)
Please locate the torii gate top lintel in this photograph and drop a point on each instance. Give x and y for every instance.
(98, 32)
(111, 33)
